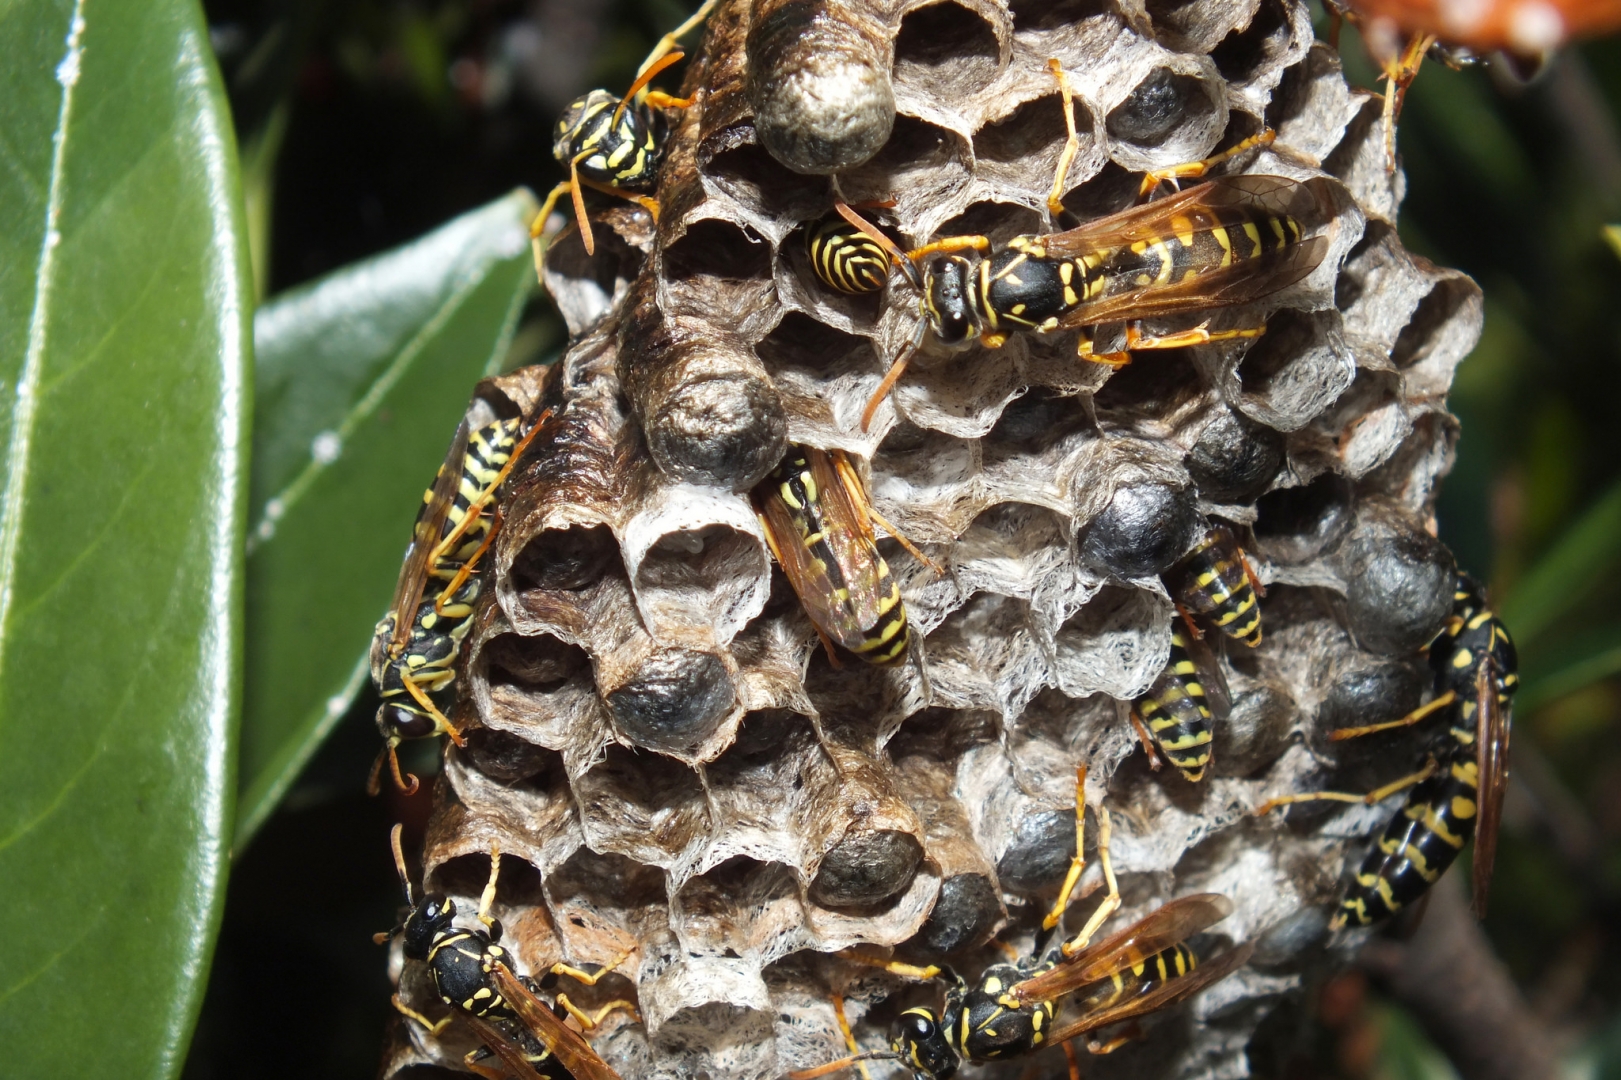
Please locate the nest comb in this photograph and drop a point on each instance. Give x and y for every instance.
(657, 743)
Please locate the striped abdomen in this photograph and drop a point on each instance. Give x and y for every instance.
(1137, 979)
(1212, 581)
(489, 448)
(622, 154)
(1417, 846)
(1212, 237)
(845, 258)
(1177, 713)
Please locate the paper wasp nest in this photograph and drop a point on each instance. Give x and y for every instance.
(660, 748)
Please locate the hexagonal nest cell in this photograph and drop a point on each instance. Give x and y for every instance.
(674, 770)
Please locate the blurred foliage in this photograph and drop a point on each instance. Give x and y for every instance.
(368, 123)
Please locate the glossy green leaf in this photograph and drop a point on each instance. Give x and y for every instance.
(362, 378)
(1564, 577)
(124, 345)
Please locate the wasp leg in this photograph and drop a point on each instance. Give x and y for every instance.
(1072, 141)
(591, 978)
(1375, 796)
(1137, 340)
(537, 227)
(1189, 169)
(660, 100)
(1111, 902)
(667, 42)
(844, 1029)
(486, 1071)
(894, 967)
(1441, 702)
(1399, 73)
(949, 244)
(646, 202)
(1132, 1033)
(1249, 572)
(869, 513)
(1148, 743)
(411, 1014)
(591, 1021)
(439, 718)
(1187, 621)
(1069, 1055)
(487, 897)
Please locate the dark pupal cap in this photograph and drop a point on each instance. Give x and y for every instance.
(1235, 458)
(675, 700)
(819, 84)
(1040, 851)
(965, 914)
(1369, 692)
(866, 868)
(708, 408)
(1143, 531)
(1398, 590)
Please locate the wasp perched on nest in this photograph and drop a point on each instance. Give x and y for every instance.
(652, 723)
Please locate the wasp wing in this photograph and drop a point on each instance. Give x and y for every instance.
(849, 534)
(1491, 760)
(1216, 693)
(510, 1053)
(1176, 921)
(566, 1045)
(425, 534)
(1166, 994)
(816, 575)
(1200, 220)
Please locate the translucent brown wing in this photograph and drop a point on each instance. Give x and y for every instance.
(1176, 921)
(1307, 202)
(1164, 995)
(1195, 215)
(510, 1053)
(1217, 694)
(850, 536)
(1491, 759)
(810, 572)
(567, 1045)
(1239, 283)
(425, 534)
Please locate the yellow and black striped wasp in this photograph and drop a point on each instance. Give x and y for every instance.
(1459, 792)
(818, 521)
(1227, 241)
(1215, 580)
(413, 661)
(1013, 1009)
(1177, 714)
(614, 145)
(472, 973)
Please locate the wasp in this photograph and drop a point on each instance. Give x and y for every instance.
(1013, 1008)
(1459, 792)
(614, 145)
(1181, 707)
(1215, 580)
(472, 973)
(818, 521)
(413, 660)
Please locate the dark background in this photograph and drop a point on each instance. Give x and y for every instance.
(365, 123)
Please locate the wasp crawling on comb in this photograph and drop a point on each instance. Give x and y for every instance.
(472, 973)
(1177, 714)
(614, 145)
(1459, 792)
(414, 660)
(1215, 581)
(818, 520)
(1013, 1008)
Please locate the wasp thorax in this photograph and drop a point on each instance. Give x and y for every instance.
(948, 301)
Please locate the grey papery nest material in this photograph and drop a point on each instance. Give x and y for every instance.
(657, 743)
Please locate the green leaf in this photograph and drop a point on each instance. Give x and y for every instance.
(1564, 577)
(1580, 662)
(362, 378)
(124, 344)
